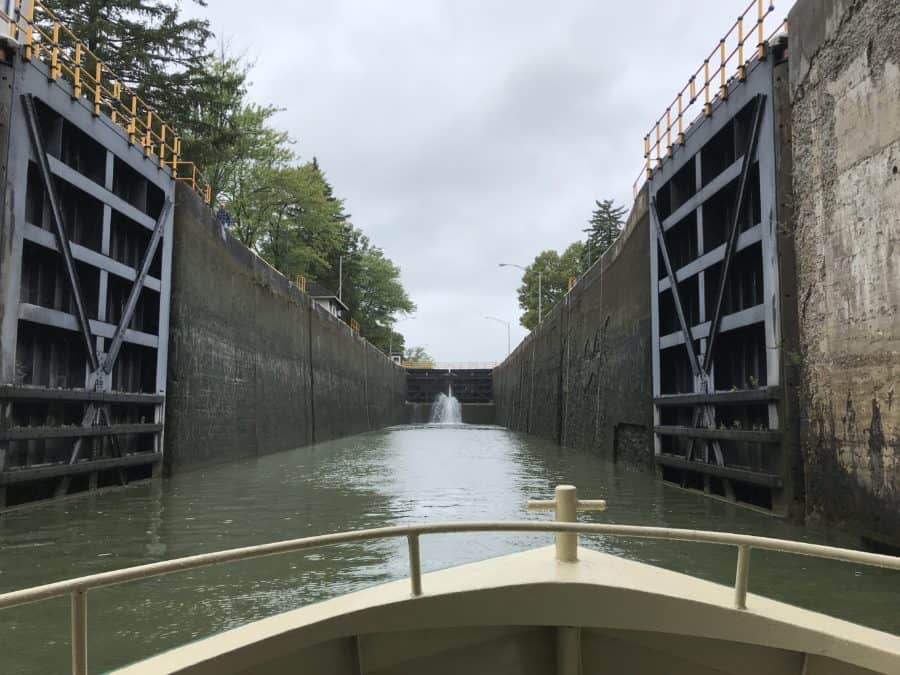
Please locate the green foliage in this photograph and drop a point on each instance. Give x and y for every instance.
(416, 354)
(555, 271)
(301, 225)
(378, 296)
(283, 209)
(606, 223)
(224, 133)
(147, 43)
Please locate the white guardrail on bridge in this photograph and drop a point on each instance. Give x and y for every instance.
(78, 588)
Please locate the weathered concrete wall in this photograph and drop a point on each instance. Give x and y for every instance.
(845, 87)
(254, 365)
(582, 378)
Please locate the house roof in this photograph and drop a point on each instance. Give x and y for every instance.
(318, 292)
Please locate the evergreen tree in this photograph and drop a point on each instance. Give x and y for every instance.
(606, 223)
(147, 43)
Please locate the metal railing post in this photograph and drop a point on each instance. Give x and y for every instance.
(79, 632)
(415, 565)
(742, 576)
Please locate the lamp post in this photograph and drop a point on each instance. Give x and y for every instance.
(540, 283)
(494, 318)
(340, 277)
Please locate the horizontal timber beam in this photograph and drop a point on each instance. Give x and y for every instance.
(743, 475)
(14, 393)
(56, 470)
(722, 397)
(744, 435)
(75, 431)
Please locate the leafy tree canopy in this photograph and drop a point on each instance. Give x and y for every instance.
(284, 209)
(555, 271)
(416, 354)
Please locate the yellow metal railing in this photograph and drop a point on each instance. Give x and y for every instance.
(45, 38)
(706, 85)
(354, 326)
(301, 282)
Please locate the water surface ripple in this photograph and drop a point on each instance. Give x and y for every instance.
(400, 475)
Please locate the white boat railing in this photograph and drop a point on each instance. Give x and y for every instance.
(78, 587)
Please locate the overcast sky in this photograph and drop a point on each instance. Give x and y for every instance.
(466, 133)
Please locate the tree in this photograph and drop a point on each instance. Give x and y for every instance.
(148, 45)
(417, 354)
(224, 133)
(303, 229)
(555, 271)
(378, 297)
(606, 223)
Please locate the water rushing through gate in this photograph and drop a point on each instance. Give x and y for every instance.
(407, 474)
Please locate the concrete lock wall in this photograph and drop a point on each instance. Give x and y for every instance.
(845, 89)
(582, 378)
(254, 365)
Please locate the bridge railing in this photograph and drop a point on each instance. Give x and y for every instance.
(78, 588)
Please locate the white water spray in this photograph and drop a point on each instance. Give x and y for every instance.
(446, 409)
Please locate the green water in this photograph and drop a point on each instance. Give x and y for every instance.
(406, 474)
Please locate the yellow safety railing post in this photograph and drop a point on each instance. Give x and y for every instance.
(132, 122)
(669, 130)
(54, 52)
(117, 95)
(707, 109)
(761, 47)
(658, 142)
(723, 88)
(742, 71)
(162, 145)
(680, 137)
(148, 139)
(647, 155)
(76, 74)
(29, 30)
(98, 75)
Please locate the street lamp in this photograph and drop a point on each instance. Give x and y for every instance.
(494, 318)
(540, 294)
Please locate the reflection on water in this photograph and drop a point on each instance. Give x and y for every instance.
(406, 474)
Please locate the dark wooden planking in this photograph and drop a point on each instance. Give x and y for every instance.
(743, 475)
(56, 470)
